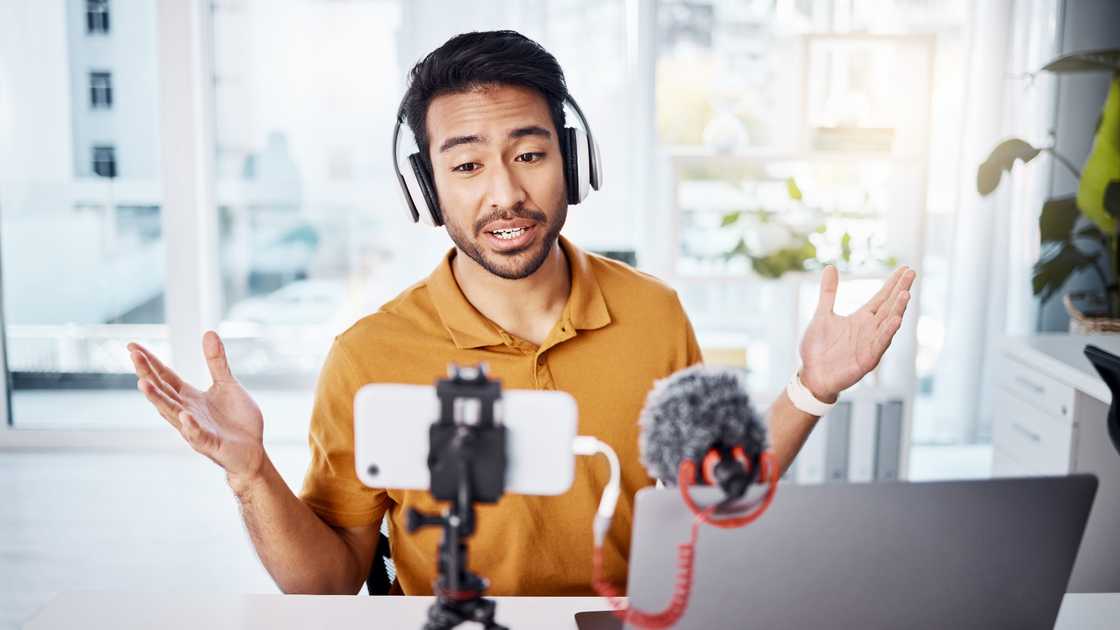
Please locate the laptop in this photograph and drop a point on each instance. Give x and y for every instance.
(978, 554)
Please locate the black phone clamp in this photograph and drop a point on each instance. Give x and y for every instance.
(467, 462)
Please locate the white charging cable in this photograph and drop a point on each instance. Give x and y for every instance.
(590, 445)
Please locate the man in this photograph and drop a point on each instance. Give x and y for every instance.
(486, 110)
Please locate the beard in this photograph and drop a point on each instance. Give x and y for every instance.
(516, 264)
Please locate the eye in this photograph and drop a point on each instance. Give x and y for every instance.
(467, 167)
(535, 156)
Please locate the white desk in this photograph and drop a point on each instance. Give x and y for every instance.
(1049, 418)
(86, 610)
(191, 611)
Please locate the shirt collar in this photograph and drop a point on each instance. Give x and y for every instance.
(585, 310)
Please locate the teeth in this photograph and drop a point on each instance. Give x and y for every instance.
(508, 234)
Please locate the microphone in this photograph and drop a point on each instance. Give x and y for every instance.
(697, 419)
(701, 419)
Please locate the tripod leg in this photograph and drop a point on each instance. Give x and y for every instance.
(443, 617)
(483, 613)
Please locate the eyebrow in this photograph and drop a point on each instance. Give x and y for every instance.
(520, 132)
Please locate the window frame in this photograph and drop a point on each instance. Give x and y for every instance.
(105, 89)
(102, 150)
(97, 17)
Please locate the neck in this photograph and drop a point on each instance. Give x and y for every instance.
(527, 308)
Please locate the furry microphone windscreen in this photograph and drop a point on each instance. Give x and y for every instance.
(689, 412)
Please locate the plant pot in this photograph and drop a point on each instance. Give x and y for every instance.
(1089, 313)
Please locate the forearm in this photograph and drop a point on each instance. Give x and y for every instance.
(789, 428)
(300, 551)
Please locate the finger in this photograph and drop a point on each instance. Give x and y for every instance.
(145, 370)
(886, 335)
(897, 306)
(902, 286)
(884, 292)
(829, 281)
(200, 440)
(215, 352)
(166, 373)
(167, 408)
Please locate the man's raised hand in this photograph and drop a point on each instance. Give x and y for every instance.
(838, 350)
(223, 422)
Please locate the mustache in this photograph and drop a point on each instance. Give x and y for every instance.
(507, 214)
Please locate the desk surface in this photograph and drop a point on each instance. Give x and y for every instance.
(85, 610)
(1062, 356)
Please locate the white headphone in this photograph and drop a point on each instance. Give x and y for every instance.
(582, 169)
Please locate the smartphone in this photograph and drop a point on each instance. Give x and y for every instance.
(391, 424)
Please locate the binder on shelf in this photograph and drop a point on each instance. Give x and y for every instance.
(837, 442)
(861, 446)
(888, 438)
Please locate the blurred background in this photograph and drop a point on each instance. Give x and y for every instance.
(167, 167)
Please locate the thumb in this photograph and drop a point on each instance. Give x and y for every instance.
(215, 352)
(829, 281)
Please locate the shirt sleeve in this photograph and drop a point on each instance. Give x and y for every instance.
(331, 487)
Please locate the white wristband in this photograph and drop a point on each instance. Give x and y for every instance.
(803, 399)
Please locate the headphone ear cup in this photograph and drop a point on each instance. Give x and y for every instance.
(427, 191)
(579, 165)
(409, 198)
(594, 164)
(571, 169)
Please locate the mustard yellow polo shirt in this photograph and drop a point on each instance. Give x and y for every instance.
(620, 330)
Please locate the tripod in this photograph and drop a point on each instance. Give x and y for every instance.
(467, 463)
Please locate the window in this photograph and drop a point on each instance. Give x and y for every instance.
(100, 90)
(97, 16)
(105, 161)
(79, 220)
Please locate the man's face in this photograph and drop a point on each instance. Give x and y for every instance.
(499, 176)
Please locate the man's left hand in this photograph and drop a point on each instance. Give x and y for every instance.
(837, 350)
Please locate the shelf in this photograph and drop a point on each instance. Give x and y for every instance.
(687, 154)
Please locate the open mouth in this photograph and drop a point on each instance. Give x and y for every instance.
(508, 239)
(510, 234)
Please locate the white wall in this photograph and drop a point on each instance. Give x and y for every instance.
(128, 52)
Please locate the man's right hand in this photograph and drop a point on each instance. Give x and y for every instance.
(223, 422)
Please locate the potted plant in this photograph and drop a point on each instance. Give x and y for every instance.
(1062, 237)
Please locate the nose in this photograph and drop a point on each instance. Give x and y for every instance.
(505, 188)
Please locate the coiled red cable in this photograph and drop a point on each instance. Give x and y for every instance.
(686, 552)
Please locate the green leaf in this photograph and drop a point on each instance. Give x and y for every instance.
(846, 247)
(783, 260)
(792, 189)
(1056, 221)
(766, 267)
(1085, 61)
(1102, 167)
(1001, 160)
(1051, 273)
(730, 218)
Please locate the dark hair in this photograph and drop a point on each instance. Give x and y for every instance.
(478, 59)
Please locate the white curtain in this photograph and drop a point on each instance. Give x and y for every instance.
(996, 238)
